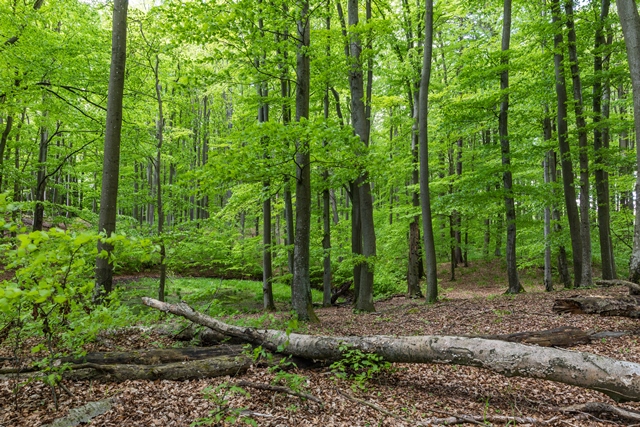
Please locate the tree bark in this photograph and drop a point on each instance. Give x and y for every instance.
(41, 179)
(158, 179)
(617, 379)
(565, 153)
(3, 145)
(548, 278)
(507, 179)
(628, 306)
(425, 198)
(301, 288)
(630, 21)
(360, 123)
(601, 145)
(565, 336)
(583, 153)
(111, 162)
(178, 371)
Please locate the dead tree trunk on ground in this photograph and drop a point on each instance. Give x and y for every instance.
(618, 379)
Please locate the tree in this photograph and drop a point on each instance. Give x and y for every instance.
(583, 154)
(630, 21)
(360, 123)
(111, 162)
(512, 266)
(601, 144)
(565, 154)
(301, 288)
(425, 197)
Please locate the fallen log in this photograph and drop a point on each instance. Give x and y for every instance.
(634, 288)
(564, 336)
(178, 371)
(628, 306)
(618, 379)
(156, 356)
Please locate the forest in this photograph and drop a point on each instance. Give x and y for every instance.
(303, 178)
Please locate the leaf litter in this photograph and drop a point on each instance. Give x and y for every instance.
(409, 395)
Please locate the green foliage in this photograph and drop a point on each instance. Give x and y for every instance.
(358, 366)
(222, 397)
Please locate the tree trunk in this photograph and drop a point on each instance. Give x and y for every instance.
(157, 355)
(326, 216)
(548, 278)
(415, 257)
(41, 179)
(301, 288)
(111, 163)
(510, 208)
(565, 153)
(425, 197)
(178, 371)
(617, 379)
(601, 146)
(158, 180)
(581, 124)
(3, 145)
(630, 21)
(359, 121)
(356, 237)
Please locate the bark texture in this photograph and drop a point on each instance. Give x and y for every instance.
(111, 162)
(565, 155)
(630, 21)
(425, 197)
(301, 289)
(507, 179)
(628, 306)
(618, 379)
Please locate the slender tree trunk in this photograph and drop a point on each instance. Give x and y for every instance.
(601, 146)
(356, 238)
(425, 198)
(548, 278)
(158, 180)
(360, 124)
(565, 153)
(3, 145)
(510, 208)
(326, 204)
(267, 263)
(111, 163)
(41, 179)
(301, 289)
(585, 226)
(630, 21)
(415, 256)
(285, 93)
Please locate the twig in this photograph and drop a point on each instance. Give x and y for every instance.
(279, 389)
(374, 406)
(598, 407)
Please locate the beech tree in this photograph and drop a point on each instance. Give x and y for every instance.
(111, 162)
(630, 21)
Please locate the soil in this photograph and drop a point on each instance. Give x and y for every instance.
(406, 396)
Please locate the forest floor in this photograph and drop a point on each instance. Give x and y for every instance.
(408, 395)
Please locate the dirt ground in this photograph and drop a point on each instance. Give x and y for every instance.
(407, 396)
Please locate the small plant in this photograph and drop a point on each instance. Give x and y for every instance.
(221, 396)
(359, 366)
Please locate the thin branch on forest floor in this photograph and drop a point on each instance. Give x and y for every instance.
(598, 407)
(481, 420)
(279, 389)
(374, 406)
